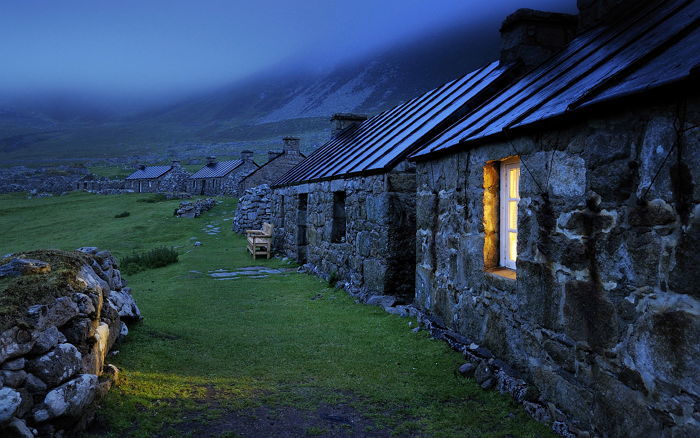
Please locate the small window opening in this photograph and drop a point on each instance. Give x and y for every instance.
(509, 199)
(339, 218)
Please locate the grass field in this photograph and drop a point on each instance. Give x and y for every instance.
(283, 355)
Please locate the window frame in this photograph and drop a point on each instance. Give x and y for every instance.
(505, 215)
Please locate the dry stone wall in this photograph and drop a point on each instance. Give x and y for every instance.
(254, 208)
(376, 254)
(53, 365)
(604, 314)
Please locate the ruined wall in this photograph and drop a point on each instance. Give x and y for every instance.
(174, 181)
(271, 171)
(254, 208)
(53, 348)
(604, 314)
(375, 257)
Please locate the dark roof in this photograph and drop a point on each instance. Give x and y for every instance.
(382, 141)
(150, 172)
(217, 170)
(656, 46)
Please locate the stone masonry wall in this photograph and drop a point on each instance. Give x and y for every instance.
(375, 256)
(604, 316)
(53, 350)
(270, 172)
(254, 208)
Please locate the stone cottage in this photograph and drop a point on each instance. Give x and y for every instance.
(348, 210)
(558, 224)
(278, 163)
(153, 179)
(222, 177)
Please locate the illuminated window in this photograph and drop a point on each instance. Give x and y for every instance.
(510, 196)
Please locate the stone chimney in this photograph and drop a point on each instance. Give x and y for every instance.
(342, 121)
(247, 155)
(271, 155)
(176, 163)
(291, 144)
(141, 167)
(594, 12)
(531, 37)
(211, 161)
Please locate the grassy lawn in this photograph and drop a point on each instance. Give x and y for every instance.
(282, 355)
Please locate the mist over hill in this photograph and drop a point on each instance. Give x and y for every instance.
(253, 113)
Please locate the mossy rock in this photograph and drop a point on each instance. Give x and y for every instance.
(19, 293)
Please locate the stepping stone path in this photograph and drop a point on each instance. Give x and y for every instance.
(212, 229)
(249, 272)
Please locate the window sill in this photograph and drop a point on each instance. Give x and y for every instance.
(506, 273)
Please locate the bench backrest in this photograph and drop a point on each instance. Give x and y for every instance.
(267, 229)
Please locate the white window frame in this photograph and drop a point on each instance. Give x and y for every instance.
(505, 219)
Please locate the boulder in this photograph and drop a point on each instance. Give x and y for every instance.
(19, 266)
(13, 379)
(9, 402)
(15, 342)
(14, 365)
(69, 399)
(125, 305)
(58, 365)
(34, 384)
(46, 340)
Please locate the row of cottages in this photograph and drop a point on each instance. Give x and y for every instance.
(548, 208)
(222, 177)
(152, 179)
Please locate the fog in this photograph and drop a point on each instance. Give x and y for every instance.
(138, 51)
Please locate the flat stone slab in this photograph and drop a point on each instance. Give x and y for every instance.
(248, 272)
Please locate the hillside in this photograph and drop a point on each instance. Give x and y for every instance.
(253, 113)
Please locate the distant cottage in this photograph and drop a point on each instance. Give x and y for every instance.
(548, 208)
(222, 177)
(153, 179)
(278, 163)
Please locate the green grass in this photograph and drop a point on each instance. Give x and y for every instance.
(207, 348)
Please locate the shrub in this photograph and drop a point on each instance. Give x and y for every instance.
(155, 258)
(333, 279)
(122, 214)
(158, 197)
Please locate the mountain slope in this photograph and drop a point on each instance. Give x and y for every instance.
(256, 112)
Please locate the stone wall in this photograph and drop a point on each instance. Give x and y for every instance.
(269, 172)
(53, 348)
(376, 255)
(55, 180)
(603, 317)
(254, 208)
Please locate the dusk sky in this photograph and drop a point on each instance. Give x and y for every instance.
(154, 47)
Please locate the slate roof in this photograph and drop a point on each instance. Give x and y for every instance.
(379, 143)
(150, 172)
(657, 46)
(217, 170)
(260, 167)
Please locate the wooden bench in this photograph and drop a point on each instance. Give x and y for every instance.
(260, 241)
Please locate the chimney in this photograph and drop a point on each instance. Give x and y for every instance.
(342, 121)
(530, 36)
(594, 12)
(291, 144)
(211, 161)
(141, 167)
(176, 163)
(247, 155)
(271, 155)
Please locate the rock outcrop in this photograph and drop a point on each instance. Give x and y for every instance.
(60, 314)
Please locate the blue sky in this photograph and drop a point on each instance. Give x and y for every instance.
(160, 47)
